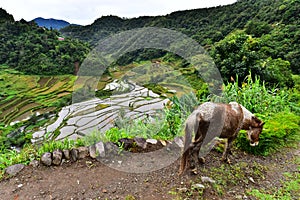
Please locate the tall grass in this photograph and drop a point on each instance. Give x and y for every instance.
(273, 106)
(256, 96)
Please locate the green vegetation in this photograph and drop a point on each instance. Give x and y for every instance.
(290, 189)
(40, 94)
(261, 36)
(34, 50)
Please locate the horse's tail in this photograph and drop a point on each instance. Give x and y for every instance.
(191, 126)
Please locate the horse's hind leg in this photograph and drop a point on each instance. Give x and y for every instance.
(196, 152)
(195, 159)
(185, 160)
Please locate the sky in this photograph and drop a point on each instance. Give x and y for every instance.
(85, 12)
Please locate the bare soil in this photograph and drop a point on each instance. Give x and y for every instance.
(91, 179)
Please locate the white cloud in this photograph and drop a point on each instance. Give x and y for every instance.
(86, 11)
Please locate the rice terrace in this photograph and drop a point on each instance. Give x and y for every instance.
(142, 128)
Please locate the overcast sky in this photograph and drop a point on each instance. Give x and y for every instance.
(85, 12)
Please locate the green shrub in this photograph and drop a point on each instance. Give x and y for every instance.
(114, 134)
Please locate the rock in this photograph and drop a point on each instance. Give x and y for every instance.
(46, 159)
(164, 143)
(251, 179)
(141, 142)
(111, 148)
(66, 153)
(14, 169)
(151, 141)
(100, 149)
(198, 186)
(183, 190)
(92, 151)
(206, 179)
(57, 157)
(83, 152)
(34, 163)
(126, 143)
(179, 141)
(172, 91)
(74, 154)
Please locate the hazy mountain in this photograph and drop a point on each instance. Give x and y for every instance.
(51, 23)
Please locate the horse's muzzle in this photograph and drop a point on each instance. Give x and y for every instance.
(253, 144)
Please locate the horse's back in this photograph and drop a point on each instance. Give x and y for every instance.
(207, 110)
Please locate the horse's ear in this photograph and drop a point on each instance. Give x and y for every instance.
(261, 124)
(256, 120)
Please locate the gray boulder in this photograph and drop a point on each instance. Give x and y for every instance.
(14, 169)
(74, 155)
(83, 152)
(141, 142)
(100, 150)
(66, 153)
(92, 151)
(46, 159)
(57, 157)
(34, 163)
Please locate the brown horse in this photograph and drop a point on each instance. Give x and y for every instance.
(212, 120)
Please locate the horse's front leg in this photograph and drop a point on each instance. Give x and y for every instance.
(227, 148)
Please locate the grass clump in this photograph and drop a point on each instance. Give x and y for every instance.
(290, 189)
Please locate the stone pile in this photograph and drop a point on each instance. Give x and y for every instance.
(99, 151)
(103, 150)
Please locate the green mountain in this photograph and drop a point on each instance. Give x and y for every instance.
(51, 23)
(34, 50)
(258, 36)
(261, 36)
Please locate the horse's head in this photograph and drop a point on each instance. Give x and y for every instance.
(254, 131)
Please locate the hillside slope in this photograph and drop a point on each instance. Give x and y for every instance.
(34, 50)
(268, 44)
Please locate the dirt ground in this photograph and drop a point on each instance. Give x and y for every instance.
(91, 179)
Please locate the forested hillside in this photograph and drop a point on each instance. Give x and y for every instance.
(34, 50)
(258, 36)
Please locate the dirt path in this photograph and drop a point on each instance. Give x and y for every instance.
(90, 179)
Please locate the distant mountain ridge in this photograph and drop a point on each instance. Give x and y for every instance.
(51, 23)
(4, 16)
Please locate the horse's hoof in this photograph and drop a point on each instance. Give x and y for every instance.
(194, 171)
(202, 160)
(226, 160)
